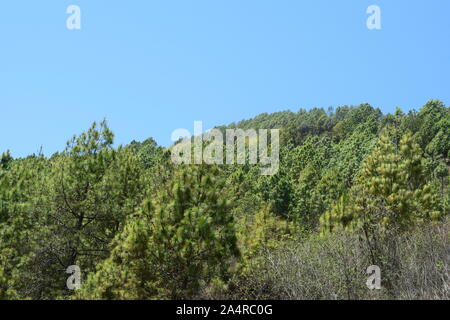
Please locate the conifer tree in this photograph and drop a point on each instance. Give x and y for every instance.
(391, 191)
(182, 239)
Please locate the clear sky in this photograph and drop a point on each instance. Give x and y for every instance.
(152, 66)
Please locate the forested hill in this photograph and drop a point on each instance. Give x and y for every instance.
(322, 153)
(353, 183)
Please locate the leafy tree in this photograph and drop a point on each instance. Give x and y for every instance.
(391, 191)
(149, 152)
(434, 128)
(92, 189)
(20, 215)
(262, 231)
(180, 240)
(5, 160)
(6, 292)
(65, 211)
(141, 227)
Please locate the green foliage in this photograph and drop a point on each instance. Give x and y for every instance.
(340, 216)
(66, 210)
(6, 293)
(260, 232)
(391, 191)
(20, 192)
(180, 241)
(5, 160)
(148, 151)
(434, 128)
(141, 227)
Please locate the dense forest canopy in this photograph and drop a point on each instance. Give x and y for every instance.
(355, 187)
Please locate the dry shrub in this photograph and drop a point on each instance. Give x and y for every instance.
(414, 265)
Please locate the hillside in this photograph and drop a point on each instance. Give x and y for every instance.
(355, 187)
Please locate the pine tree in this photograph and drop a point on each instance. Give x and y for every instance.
(391, 191)
(181, 240)
(340, 216)
(65, 211)
(5, 160)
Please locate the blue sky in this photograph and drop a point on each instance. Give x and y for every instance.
(151, 67)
